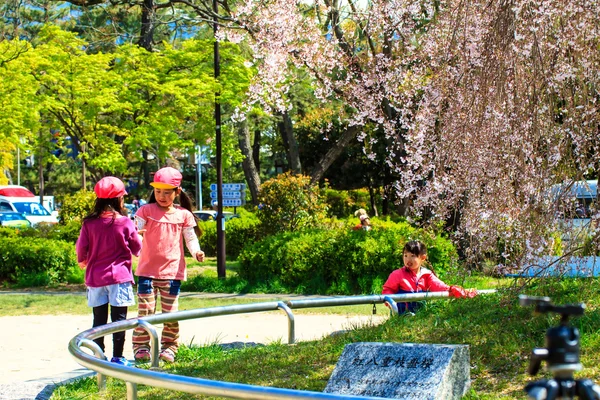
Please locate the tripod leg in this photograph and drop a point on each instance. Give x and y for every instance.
(588, 390)
(543, 390)
(553, 389)
(537, 393)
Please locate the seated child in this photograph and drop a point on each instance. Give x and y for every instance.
(414, 278)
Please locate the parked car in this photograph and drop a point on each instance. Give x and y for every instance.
(14, 220)
(21, 200)
(205, 215)
(211, 215)
(229, 215)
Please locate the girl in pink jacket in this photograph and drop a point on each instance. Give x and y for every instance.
(414, 278)
(106, 243)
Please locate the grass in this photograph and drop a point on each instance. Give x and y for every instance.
(500, 334)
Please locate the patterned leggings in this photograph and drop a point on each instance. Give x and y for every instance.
(148, 291)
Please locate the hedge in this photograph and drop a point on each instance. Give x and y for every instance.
(38, 262)
(238, 233)
(339, 261)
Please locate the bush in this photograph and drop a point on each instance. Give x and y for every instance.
(75, 207)
(343, 203)
(11, 232)
(68, 232)
(339, 261)
(238, 233)
(290, 203)
(38, 262)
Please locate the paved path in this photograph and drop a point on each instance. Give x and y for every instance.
(35, 355)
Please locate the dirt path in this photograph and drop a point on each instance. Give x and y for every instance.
(35, 354)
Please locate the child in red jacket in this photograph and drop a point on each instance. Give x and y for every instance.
(414, 278)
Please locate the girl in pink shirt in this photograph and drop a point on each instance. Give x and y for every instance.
(106, 243)
(161, 266)
(414, 278)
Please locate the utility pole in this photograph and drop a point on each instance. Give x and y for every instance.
(220, 216)
(83, 182)
(41, 169)
(19, 163)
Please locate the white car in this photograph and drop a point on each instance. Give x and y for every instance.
(19, 199)
(210, 215)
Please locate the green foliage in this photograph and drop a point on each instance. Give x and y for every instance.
(238, 233)
(6, 232)
(211, 284)
(290, 203)
(38, 262)
(114, 106)
(69, 232)
(343, 203)
(339, 261)
(75, 207)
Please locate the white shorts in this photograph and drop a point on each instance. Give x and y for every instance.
(118, 295)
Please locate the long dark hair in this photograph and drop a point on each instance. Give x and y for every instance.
(185, 202)
(102, 205)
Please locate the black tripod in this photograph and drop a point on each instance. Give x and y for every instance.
(561, 355)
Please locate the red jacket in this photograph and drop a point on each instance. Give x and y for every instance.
(403, 280)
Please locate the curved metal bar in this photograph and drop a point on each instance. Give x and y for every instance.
(90, 344)
(133, 376)
(202, 386)
(131, 390)
(148, 327)
(291, 322)
(392, 303)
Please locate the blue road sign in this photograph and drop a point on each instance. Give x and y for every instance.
(229, 195)
(233, 202)
(229, 187)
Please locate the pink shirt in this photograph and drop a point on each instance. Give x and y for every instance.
(162, 254)
(105, 246)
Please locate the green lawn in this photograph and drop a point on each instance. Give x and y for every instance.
(499, 332)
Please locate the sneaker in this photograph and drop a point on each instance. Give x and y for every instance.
(167, 355)
(120, 361)
(142, 355)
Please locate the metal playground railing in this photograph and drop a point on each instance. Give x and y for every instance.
(134, 376)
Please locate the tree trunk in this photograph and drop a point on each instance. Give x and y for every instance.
(148, 24)
(41, 170)
(333, 153)
(256, 149)
(372, 201)
(250, 170)
(286, 129)
(145, 169)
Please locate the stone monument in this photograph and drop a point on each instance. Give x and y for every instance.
(402, 371)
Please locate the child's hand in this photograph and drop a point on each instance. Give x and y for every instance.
(459, 292)
(82, 264)
(200, 256)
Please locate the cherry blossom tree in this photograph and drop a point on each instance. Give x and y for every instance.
(484, 104)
